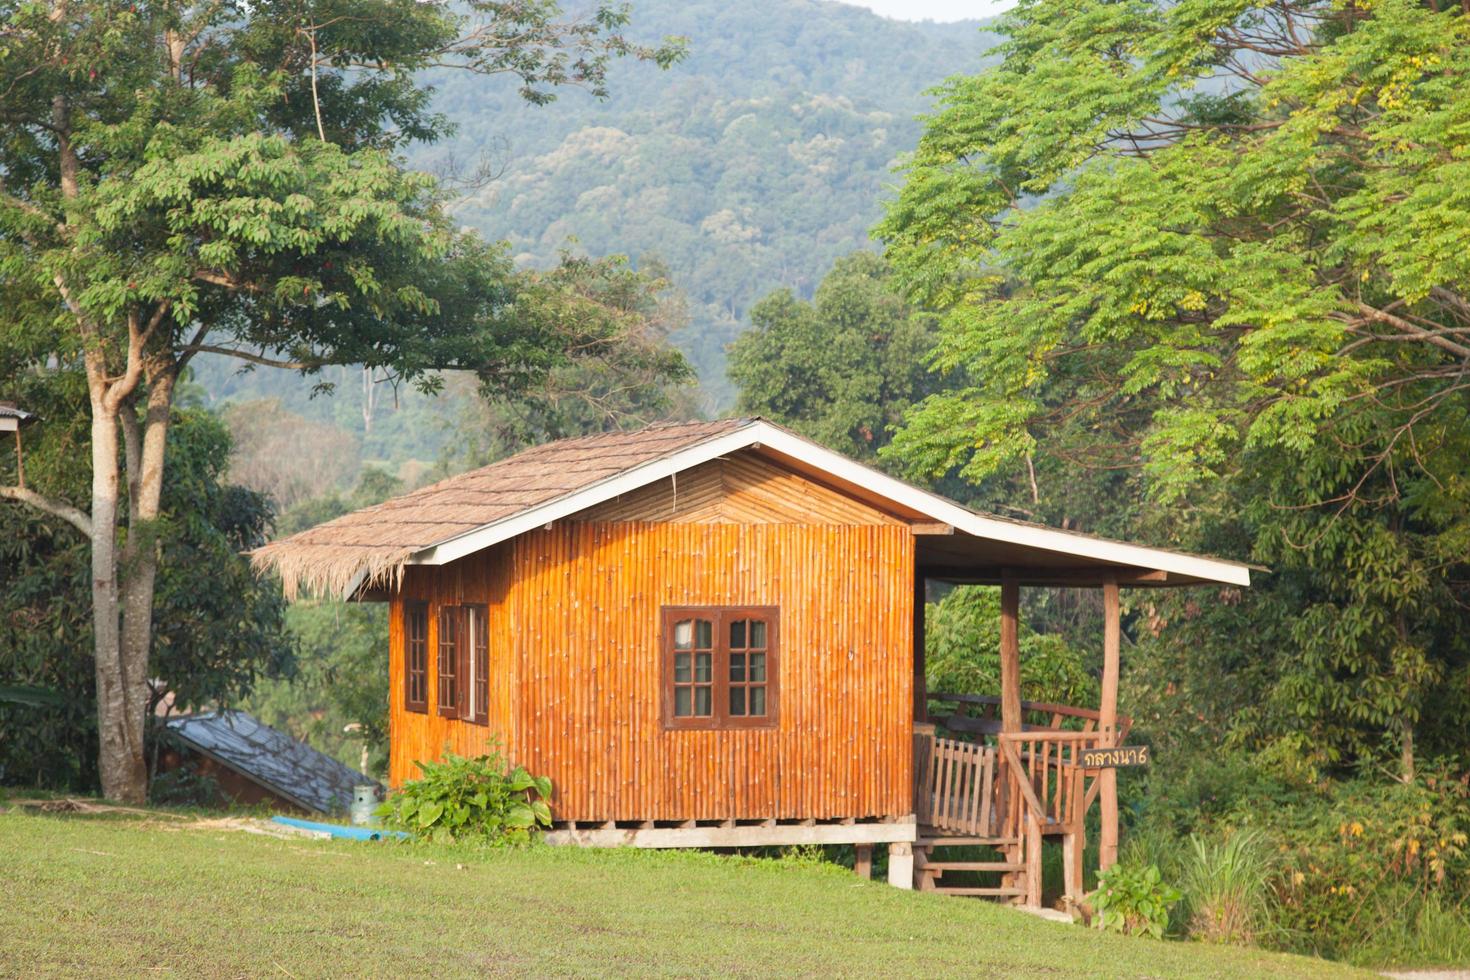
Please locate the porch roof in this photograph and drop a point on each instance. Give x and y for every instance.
(468, 513)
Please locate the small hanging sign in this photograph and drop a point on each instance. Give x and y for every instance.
(1122, 755)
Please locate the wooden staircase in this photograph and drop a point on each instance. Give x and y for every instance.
(1007, 796)
(929, 873)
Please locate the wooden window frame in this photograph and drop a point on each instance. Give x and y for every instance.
(720, 617)
(448, 662)
(475, 663)
(413, 608)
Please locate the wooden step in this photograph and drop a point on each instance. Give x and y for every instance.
(940, 841)
(1002, 866)
(982, 892)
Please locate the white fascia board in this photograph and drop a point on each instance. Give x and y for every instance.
(1024, 535)
(761, 433)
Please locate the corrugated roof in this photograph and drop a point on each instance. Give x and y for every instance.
(368, 546)
(275, 760)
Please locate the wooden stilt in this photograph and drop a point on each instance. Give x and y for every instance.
(1108, 723)
(863, 865)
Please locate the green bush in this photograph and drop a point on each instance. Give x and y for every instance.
(1227, 887)
(1360, 863)
(1134, 900)
(480, 799)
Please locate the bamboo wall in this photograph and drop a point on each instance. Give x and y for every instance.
(575, 664)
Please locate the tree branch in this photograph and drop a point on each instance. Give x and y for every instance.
(1413, 329)
(245, 355)
(66, 512)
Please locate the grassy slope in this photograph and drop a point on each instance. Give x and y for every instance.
(108, 896)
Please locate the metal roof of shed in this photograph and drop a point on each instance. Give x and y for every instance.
(286, 766)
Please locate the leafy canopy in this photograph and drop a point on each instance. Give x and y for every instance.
(1244, 220)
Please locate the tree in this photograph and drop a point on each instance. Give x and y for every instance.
(215, 634)
(183, 179)
(1220, 246)
(841, 369)
(630, 374)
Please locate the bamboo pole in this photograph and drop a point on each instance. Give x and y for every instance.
(1108, 722)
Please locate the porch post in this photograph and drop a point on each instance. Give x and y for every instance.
(1010, 652)
(921, 682)
(1108, 722)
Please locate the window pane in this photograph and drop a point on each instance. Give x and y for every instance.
(757, 666)
(681, 668)
(737, 634)
(703, 667)
(737, 667)
(757, 635)
(702, 701)
(758, 700)
(684, 635)
(737, 700)
(681, 702)
(705, 634)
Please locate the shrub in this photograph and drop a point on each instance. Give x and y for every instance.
(1227, 887)
(480, 799)
(1134, 900)
(1361, 862)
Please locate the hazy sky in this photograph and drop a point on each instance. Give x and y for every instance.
(933, 9)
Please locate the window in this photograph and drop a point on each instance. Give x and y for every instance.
(463, 664)
(450, 621)
(477, 664)
(719, 666)
(416, 656)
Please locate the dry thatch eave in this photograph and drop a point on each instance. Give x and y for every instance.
(369, 547)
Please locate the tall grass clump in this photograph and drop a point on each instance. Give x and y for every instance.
(1227, 887)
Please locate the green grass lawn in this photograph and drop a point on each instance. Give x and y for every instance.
(123, 895)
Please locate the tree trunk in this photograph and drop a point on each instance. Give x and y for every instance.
(1406, 750)
(120, 759)
(140, 556)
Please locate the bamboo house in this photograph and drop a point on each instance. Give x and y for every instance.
(711, 635)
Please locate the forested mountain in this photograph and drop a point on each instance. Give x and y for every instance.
(750, 166)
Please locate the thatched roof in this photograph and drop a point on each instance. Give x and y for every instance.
(465, 514)
(370, 546)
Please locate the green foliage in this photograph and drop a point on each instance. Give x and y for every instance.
(1360, 860)
(185, 786)
(216, 635)
(480, 799)
(1226, 885)
(962, 652)
(756, 162)
(1150, 267)
(341, 680)
(1134, 900)
(841, 369)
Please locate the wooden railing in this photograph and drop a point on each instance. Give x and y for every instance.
(1010, 788)
(979, 714)
(1048, 776)
(956, 788)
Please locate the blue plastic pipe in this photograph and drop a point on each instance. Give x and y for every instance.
(337, 830)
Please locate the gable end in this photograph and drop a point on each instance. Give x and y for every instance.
(741, 488)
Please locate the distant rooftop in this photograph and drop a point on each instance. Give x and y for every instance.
(287, 767)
